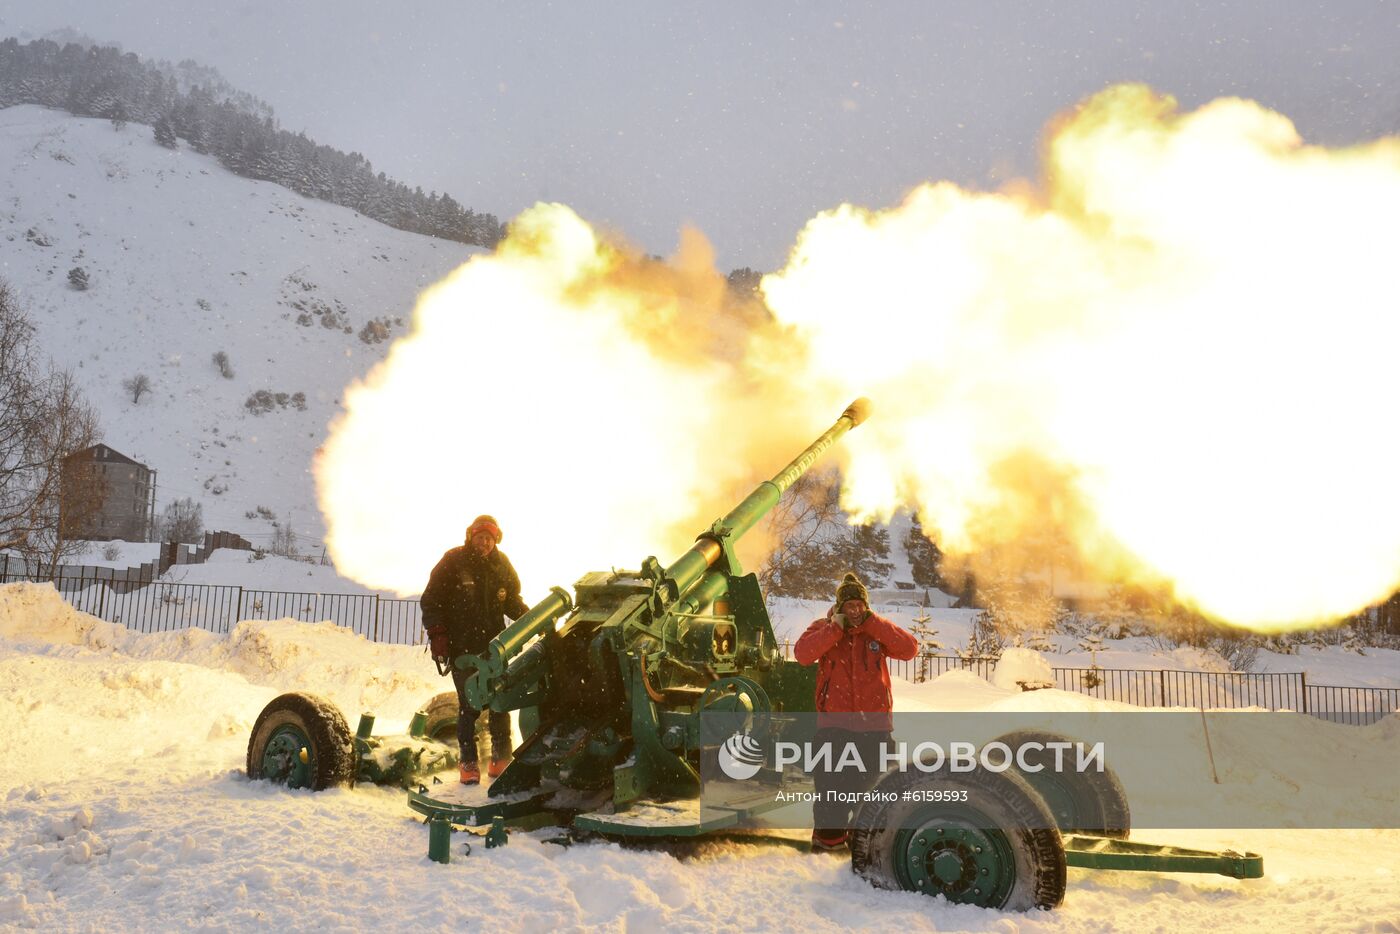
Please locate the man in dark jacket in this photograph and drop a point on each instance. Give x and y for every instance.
(469, 594)
(854, 705)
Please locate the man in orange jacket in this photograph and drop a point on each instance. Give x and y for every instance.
(850, 646)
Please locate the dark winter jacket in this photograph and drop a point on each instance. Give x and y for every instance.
(853, 679)
(471, 595)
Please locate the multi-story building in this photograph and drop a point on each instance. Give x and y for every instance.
(107, 495)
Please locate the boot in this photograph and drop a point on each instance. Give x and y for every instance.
(828, 841)
(470, 773)
(498, 765)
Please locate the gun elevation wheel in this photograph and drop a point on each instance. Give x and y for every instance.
(301, 741)
(998, 848)
(1087, 802)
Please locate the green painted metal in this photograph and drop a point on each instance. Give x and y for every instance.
(791, 686)
(683, 817)
(439, 839)
(477, 814)
(1088, 852)
(490, 667)
(655, 767)
(287, 758)
(399, 760)
(497, 836)
(641, 820)
(691, 566)
(953, 853)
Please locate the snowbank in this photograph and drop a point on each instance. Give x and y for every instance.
(282, 655)
(1018, 668)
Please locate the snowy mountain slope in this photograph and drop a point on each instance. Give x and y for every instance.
(185, 260)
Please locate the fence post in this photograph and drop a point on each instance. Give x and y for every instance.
(376, 617)
(102, 601)
(237, 610)
(1303, 685)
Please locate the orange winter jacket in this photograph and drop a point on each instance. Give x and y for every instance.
(852, 675)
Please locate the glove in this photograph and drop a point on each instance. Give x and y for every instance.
(437, 641)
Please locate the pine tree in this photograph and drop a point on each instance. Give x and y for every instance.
(867, 554)
(164, 132)
(927, 637)
(193, 103)
(985, 641)
(925, 558)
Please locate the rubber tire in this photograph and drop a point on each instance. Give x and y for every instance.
(331, 745)
(442, 713)
(1100, 806)
(1005, 798)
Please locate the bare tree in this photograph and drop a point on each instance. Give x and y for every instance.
(284, 540)
(82, 488)
(225, 367)
(138, 385)
(182, 521)
(43, 420)
(802, 526)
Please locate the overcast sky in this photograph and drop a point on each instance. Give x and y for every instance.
(741, 118)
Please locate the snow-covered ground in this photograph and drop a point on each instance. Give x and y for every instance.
(231, 567)
(123, 554)
(125, 808)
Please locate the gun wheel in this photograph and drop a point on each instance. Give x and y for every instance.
(442, 713)
(997, 849)
(291, 724)
(1082, 802)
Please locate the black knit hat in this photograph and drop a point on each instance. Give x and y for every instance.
(851, 589)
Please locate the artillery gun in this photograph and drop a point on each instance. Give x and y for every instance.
(617, 688)
(611, 684)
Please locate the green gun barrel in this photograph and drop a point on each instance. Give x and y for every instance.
(680, 577)
(691, 566)
(543, 614)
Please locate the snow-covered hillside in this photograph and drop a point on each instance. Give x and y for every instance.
(185, 260)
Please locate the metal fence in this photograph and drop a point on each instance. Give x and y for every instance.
(145, 606)
(1354, 705)
(148, 607)
(1143, 687)
(1174, 688)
